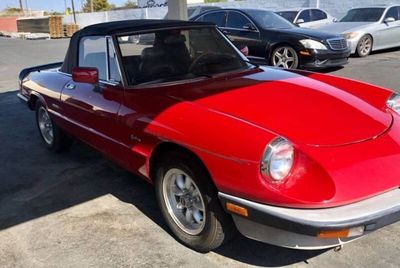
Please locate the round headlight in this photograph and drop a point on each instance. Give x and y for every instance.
(394, 102)
(277, 160)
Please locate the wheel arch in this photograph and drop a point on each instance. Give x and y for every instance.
(33, 98)
(163, 148)
(272, 47)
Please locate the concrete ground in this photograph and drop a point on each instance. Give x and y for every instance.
(79, 210)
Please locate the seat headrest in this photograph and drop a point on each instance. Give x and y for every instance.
(173, 39)
(152, 52)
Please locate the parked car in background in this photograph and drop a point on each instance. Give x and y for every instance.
(307, 17)
(296, 159)
(273, 40)
(193, 11)
(369, 28)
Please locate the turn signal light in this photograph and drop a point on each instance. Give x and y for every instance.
(350, 232)
(237, 209)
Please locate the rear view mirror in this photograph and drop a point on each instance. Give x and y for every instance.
(299, 21)
(85, 75)
(389, 20)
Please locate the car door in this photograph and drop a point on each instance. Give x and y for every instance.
(243, 32)
(389, 32)
(92, 109)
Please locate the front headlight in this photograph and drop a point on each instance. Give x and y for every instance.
(350, 35)
(312, 44)
(394, 102)
(277, 161)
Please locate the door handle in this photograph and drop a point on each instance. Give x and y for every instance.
(226, 32)
(70, 86)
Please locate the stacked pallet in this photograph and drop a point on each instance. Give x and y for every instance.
(56, 27)
(70, 29)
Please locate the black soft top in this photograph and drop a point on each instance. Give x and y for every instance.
(119, 27)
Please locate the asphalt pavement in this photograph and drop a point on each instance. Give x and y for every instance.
(79, 210)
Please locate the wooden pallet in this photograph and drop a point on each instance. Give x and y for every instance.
(56, 27)
(70, 29)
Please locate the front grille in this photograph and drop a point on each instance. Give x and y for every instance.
(337, 44)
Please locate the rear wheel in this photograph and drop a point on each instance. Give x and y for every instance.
(364, 46)
(52, 136)
(285, 57)
(189, 203)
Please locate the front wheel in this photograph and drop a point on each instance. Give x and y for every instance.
(189, 203)
(285, 57)
(364, 46)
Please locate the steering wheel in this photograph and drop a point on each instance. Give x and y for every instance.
(201, 60)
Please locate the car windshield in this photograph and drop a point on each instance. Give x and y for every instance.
(289, 15)
(172, 55)
(363, 15)
(268, 19)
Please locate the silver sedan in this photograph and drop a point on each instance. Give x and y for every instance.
(369, 28)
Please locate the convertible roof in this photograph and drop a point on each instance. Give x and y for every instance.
(119, 27)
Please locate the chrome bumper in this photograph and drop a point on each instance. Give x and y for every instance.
(300, 228)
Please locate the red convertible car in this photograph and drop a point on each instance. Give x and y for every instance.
(296, 159)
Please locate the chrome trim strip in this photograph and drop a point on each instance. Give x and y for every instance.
(22, 97)
(385, 203)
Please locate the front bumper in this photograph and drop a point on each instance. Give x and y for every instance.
(319, 59)
(302, 228)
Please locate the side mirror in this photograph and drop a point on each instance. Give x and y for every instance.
(389, 20)
(88, 75)
(299, 21)
(335, 20)
(249, 26)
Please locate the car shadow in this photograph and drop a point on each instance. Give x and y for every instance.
(379, 52)
(35, 183)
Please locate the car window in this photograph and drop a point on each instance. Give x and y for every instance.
(305, 15)
(237, 20)
(214, 17)
(268, 19)
(363, 14)
(393, 13)
(173, 55)
(317, 14)
(92, 53)
(289, 15)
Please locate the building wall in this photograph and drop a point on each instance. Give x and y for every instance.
(8, 24)
(336, 8)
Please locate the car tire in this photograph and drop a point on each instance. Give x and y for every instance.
(52, 136)
(285, 57)
(189, 203)
(364, 46)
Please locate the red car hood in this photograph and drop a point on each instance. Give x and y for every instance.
(298, 107)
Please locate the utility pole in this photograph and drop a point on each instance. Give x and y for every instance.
(318, 2)
(73, 10)
(20, 6)
(91, 6)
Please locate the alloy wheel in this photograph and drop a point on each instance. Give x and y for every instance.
(184, 201)
(285, 57)
(45, 125)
